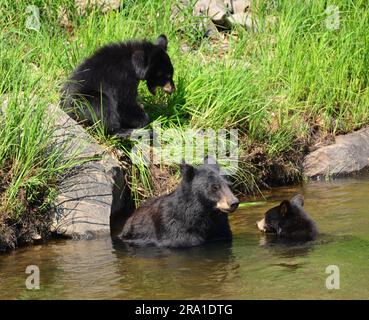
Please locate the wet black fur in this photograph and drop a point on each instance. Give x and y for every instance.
(184, 218)
(289, 220)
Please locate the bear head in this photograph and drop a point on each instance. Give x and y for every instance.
(154, 66)
(288, 219)
(207, 184)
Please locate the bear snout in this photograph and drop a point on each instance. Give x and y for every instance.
(261, 225)
(234, 205)
(169, 88)
(227, 205)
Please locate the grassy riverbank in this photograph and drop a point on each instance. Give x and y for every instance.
(290, 85)
(30, 164)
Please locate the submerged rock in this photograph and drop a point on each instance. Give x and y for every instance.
(349, 154)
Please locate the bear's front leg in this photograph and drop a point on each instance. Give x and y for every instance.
(133, 117)
(124, 133)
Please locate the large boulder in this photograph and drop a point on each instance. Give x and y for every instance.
(349, 154)
(93, 196)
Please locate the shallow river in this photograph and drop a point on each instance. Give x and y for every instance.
(252, 267)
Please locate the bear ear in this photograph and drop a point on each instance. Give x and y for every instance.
(298, 200)
(187, 171)
(139, 64)
(209, 160)
(285, 208)
(162, 42)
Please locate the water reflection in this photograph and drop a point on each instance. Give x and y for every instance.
(285, 248)
(198, 270)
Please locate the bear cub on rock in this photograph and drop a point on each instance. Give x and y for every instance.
(104, 86)
(194, 213)
(289, 221)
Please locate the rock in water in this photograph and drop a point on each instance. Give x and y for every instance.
(349, 154)
(94, 193)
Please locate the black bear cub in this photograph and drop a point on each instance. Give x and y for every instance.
(104, 86)
(195, 212)
(289, 220)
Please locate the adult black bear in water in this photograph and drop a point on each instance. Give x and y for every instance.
(289, 220)
(196, 212)
(104, 86)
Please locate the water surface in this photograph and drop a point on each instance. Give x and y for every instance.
(251, 267)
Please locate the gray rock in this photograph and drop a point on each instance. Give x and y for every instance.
(202, 23)
(226, 13)
(244, 19)
(103, 5)
(215, 9)
(239, 6)
(349, 154)
(93, 195)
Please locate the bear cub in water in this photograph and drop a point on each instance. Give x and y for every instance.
(195, 212)
(289, 220)
(104, 86)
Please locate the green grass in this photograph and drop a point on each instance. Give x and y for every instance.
(31, 163)
(282, 87)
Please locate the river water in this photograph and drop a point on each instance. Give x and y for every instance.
(251, 267)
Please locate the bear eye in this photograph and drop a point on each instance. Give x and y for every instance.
(215, 187)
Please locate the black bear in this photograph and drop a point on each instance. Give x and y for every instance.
(289, 220)
(195, 212)
(104, 86)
